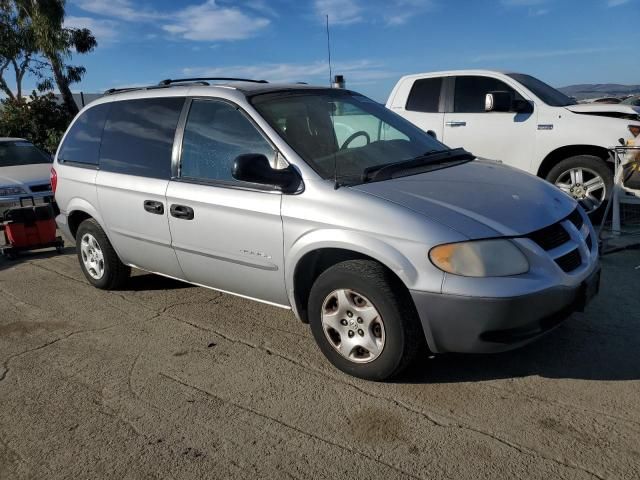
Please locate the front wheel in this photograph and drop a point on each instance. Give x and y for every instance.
(586, 178)
(364, 321)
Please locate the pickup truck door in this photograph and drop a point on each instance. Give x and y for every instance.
(505, 136)
(424, 105)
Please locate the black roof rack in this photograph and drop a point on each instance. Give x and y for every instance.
(176, 82)
(203, 80)
(125, 89)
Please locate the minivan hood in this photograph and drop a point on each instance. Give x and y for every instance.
(605, 109)
(25, 174)
(478, 199)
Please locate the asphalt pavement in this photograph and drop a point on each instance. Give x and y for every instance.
(166, 380)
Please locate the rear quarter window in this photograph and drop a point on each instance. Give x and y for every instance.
(82, 143)
(138, 137)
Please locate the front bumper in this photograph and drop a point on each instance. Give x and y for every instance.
(455, 323)
(14, 201)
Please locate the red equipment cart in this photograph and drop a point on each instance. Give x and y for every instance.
(29, 228)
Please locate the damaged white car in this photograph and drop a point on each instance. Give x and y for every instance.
(521, 121)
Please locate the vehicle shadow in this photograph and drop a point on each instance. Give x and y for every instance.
(600, 344)
(577, 349)
(6, 263)
(152, 282)
(137, 283)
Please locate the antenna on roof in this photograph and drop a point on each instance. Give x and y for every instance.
(329, 50)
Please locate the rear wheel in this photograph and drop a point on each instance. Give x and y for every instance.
(98, 260)
(364, 321)
(586, 178)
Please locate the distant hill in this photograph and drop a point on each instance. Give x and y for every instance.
(594, 90)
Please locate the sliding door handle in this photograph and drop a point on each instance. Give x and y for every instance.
(181, 211)
(456, 124)
(152, 206)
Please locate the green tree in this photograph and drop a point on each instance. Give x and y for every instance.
(56, 43)
(17, 50)
(41, 120)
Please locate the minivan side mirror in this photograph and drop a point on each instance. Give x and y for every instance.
(255, 168)
(498, 102)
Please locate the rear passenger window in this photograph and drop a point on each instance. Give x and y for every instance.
(470, 93)
(82, 143)
(215, 134)
(425, 95)
(138, 137)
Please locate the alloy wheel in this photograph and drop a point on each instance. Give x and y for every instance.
(585, 185)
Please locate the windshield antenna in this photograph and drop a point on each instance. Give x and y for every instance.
(329, 50)
(336, 185)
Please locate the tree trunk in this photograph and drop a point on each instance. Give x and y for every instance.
(19, 74)
(63, 85)
(3, 84)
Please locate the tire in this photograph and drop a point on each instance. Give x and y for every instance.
(401, 333)
(114, 273)
(591, 166)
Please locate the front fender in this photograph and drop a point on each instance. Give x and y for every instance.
(361, 243)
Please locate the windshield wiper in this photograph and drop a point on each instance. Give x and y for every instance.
(433, 157)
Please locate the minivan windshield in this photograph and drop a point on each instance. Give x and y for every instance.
(21, 153)
(343, 134)
(546, 93)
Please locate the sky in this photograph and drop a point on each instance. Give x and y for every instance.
(373, 42)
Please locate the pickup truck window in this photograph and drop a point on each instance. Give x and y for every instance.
(470, 93)
(425, 95)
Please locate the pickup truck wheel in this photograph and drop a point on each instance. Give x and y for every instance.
(98, 260)
(586, 178)
(364, 320)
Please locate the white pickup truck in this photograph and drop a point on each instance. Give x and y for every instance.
(523, 122)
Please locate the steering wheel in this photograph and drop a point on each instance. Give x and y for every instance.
(353, 136)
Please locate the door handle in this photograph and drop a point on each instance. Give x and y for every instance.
(456, 124)
(182, 211)
(152, 206)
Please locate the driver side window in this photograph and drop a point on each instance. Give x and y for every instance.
(354, 127)
(470, 93)
(215, 134)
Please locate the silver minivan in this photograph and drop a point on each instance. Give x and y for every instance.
(388, 243)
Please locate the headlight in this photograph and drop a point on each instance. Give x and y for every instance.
(482, 258)
(9, 190)
(634, 129)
